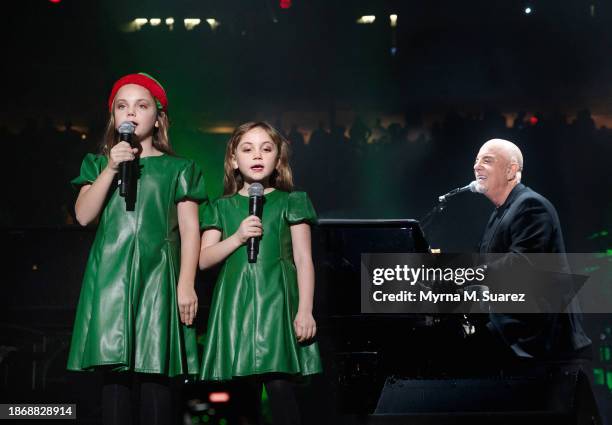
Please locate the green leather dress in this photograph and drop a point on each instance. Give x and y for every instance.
(127, 317)
(250, 327)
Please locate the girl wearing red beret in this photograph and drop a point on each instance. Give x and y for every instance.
(137, 304)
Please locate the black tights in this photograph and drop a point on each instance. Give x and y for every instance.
(123, 390)
(281, 396)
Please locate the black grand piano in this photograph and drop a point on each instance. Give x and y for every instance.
(414, 367)
(361, 350)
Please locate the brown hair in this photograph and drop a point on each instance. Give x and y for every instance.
(160, 134)
(281, 178)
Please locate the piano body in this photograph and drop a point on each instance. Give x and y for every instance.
(361, 350)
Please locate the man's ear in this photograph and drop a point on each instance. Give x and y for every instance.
(512, 170)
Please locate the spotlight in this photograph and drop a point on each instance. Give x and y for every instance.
(393, 20)
(366, 19)
(528, 10)
(213, 23)
(170, 23)
(154, 22)
(139, 22)
(191, 23)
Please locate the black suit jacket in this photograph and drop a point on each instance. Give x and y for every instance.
(528, 223)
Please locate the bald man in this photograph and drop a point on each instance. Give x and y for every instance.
(524, 222)
(534, 344)
(498, 168)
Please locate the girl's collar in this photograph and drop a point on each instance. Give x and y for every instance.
(157, 155)
(273, 190)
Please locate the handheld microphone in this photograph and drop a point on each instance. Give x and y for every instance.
(472, 187)
(126, 130)
(256, 198)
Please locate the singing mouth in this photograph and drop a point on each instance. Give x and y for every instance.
(257, 168)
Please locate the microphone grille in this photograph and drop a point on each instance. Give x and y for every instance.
(256, 189)
(126, 127)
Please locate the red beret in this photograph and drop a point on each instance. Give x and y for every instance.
(143, 80)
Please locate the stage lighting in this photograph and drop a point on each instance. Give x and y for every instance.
(599, 376)
(213, 23)
(219, 397)
(170, 23)
(528, 11)
(366, 19)
(191, 23)
(393, 20)
(139, 22)
(154, 22)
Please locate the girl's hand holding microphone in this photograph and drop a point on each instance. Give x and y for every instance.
(121, 152)
(250, 227)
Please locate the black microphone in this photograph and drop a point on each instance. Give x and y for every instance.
(256, 198)
(472, 187)
(126, 129)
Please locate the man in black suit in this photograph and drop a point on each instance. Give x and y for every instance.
(525, 222)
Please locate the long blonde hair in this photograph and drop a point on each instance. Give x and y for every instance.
(281, 178)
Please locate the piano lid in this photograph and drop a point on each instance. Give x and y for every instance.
(372, 235)
(337, 247)
(345, 222)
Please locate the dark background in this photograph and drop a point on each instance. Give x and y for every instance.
(402, 112)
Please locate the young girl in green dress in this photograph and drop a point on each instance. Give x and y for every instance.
(261, 324)
(137, 302)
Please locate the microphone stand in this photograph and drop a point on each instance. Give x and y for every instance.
(441, 205)
(467, 326)
(429, 217)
